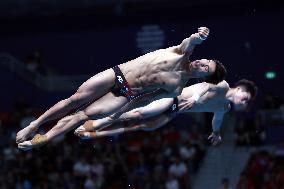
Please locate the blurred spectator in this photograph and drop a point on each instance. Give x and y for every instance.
(97, 167)
(143, 160)
(264, 170)
(242, 136)
(10, 152)
(81, 167)
(245, 182)
(93, 182)
(171, 182)
(22, 183)
(249, 132)
(179, 170)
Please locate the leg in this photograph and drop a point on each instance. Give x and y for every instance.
(104, 106)
(155, 108)
(92, 89)
(119, 129)
(149, 124)
(156, 122)
(39, 140)
(98, 124)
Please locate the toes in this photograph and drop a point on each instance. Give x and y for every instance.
(83, 135)
(77, 133)
(80, 129)
(27, 145)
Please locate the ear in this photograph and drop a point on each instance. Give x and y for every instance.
(240, 88)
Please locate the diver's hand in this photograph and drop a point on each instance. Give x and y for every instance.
(203, 33)
(215, 139)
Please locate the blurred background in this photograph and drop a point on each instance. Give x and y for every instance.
(48, 48)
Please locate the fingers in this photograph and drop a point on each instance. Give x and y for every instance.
(215, 143)
(209, 137)
(203, 32)
(215, 140)
(80, 129)
(26, 145)
(203, 29)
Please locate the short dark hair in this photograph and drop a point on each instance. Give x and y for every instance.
(248, 85)
(219, 74)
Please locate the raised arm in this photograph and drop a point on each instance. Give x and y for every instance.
(215, 137)
(188, 44)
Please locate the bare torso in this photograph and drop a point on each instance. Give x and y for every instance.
(159, 69)
(212, 100)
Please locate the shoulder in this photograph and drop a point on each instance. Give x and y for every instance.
(222, 86)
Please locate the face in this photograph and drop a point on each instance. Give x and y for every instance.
(241, 99)
(202, 68)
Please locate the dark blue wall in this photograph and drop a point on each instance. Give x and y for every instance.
(247, 44)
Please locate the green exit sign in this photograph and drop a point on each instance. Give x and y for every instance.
(270, 75)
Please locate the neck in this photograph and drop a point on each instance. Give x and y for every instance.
(230, 94)
(187, 69)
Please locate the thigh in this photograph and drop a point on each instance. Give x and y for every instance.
(156, 122)
(155, 108)
(105, 106)
(98, 85)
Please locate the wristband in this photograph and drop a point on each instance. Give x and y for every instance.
(195, 97)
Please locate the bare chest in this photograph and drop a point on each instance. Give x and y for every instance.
(211, 102)
(159, 69)
(162, 72)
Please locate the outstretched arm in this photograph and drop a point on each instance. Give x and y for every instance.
(217, 120)
(188, 44)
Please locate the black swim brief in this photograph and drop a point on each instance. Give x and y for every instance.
(174, 106)
(121, 87)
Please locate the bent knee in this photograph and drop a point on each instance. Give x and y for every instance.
(77, 99)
